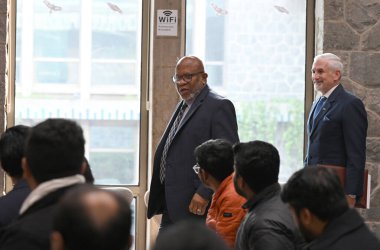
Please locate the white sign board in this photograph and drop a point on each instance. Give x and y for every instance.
(167, 22)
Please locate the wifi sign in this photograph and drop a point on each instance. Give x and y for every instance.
(167, 17)
(167, 22)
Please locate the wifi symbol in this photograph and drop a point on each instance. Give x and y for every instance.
(167, 12)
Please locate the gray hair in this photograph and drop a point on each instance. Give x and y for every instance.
(334, 61)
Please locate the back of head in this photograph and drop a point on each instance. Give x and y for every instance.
(55, 149)
(89, 218)
(317, 189)
(189, 235)
(216, 157)
(12, 144)
(258, 163)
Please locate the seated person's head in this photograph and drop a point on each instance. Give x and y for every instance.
(257, 165)
(54, 149)
(315, 196)
(189, 235)
(12, 144)
(216, 158)
(89, 218)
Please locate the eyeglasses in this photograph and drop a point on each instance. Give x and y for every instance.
(196, 168)
(186, 77)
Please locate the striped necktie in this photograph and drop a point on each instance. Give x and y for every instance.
(169, 140)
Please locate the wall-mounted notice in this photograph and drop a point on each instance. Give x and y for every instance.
(167, 22)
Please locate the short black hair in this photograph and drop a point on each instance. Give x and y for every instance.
(79, 229)
(12, 144)
(216, 157)
(189, 235)
(317, 189)
(258, 163)
(55, 149)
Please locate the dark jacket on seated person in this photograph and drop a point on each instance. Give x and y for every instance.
(268, 224)
(31, 230)
(346, 232)
(11, 202)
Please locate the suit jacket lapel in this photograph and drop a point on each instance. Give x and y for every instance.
(168, 127)
(328, 104)
(309, 120)
(196, 104)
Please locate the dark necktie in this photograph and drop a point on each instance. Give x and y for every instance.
(169, 140)
(319, 106)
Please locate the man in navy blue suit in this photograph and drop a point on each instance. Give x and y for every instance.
(176, 191)
(337, 125)
(12, 143)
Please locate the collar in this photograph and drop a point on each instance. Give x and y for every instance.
(330, 91)
(20, 184)
(223, 185)
(48, 187)
(199, 93)
(265, 194)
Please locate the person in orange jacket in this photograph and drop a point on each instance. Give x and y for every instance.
(214, 168)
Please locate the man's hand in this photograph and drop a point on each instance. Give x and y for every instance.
(350, 200)
(198, 205)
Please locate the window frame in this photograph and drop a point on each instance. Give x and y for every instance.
(139, 189)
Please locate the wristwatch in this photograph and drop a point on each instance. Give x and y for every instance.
(353, 196)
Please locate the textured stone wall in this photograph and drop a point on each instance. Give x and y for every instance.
(351, 29)
(3, 34)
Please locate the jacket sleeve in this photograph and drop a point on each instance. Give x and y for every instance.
(354, 127)
(223, 126)
(224, 123)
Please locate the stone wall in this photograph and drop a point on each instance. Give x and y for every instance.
(351, 29)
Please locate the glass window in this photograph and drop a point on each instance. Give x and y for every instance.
(81, 60)
(254, 52)
(65, 49)
(113, 155)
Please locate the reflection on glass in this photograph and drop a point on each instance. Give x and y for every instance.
(114, 29)
(215, 74)
(56, 33)
(113, 168)
(254, 52)
(56, 72)
(113, 74)
(81, 60)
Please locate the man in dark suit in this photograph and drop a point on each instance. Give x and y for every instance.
(337, 125)
(52, 164)
(12, 144)
(176, 191)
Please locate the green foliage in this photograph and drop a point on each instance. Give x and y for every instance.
(277, 121)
